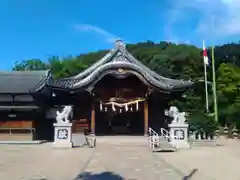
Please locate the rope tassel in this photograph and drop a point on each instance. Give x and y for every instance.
(128, 106)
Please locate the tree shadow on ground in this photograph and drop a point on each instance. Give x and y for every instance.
(99, 176)
(188, 177)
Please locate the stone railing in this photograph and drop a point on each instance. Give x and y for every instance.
(202, 136)
(230, 132)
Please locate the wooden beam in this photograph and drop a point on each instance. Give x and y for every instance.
(145, 117)
(93, 119)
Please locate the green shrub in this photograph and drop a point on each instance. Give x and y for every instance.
(201, 122)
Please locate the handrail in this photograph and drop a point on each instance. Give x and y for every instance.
(152, 132)
(165, 133)
(153, 138)
(173, 139)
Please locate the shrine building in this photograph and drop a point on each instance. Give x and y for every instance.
(115, 95)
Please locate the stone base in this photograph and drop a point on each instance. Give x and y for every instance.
(63, 135)
(62, 145)
(178, 125)
(181, 131)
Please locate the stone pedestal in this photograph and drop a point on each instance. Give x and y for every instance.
(181, 131)
(62, 135)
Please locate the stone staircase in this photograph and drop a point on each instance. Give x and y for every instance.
(164, 145)
(160, 142)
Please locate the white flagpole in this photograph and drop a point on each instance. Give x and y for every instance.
(205, 79)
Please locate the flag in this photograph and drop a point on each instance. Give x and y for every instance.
(205, 56)
(206, 63)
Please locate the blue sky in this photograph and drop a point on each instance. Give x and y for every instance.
(42, 28)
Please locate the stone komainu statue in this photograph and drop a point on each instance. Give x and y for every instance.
(65, 115)
(178, 117)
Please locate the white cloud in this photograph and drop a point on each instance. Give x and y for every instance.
(218, 18)
(226, 22)
(107, 36)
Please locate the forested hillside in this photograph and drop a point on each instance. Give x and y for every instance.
(171, 60)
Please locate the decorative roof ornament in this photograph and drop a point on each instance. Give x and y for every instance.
(119, 44)
(120, 70)
(120, 57)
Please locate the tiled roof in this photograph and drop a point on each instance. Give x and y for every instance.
(21, 81)
(119, 60)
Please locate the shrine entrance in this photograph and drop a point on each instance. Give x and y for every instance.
(115, 123)
(116, 94)
(120, 106)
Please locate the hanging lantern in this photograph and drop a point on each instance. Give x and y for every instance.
(137, 106)
(105, 109)
(101, 106)
(120, 110)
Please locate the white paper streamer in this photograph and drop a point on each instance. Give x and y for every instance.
(126, 107)
(113, 107)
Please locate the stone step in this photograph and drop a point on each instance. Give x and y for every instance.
(163, 139)
(164, 147)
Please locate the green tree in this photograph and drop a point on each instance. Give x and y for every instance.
(31, 65)
(228, 80)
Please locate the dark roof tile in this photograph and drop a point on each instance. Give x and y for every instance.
(20, 81)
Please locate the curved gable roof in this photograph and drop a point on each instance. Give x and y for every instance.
(118, 58)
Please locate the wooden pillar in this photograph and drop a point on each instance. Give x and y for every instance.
(93, 119)
(145, 117)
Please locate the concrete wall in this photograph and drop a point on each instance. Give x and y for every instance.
(16, 137)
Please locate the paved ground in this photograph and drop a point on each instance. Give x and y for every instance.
(114, 161)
